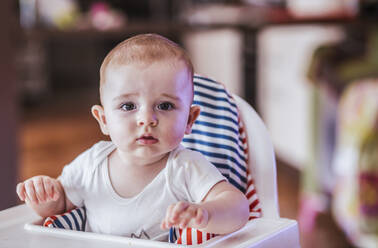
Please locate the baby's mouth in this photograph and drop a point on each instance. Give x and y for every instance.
(147, 140)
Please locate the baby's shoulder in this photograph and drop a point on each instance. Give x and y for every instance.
(101, 149)
(93, 156)
(182, 157)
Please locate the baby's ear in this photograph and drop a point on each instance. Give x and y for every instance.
(193, 114)
(99, 115)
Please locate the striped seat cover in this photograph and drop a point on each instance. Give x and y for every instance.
(72, 220)
(216, 132)
(219, 135)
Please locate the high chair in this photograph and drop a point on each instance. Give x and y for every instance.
(21, 227)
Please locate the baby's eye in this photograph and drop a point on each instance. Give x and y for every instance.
(165, 106)
(128, 106)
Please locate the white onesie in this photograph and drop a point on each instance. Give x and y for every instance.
(187, 176)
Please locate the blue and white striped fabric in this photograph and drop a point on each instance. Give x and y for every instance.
(216, 132)
(219, 135)
(72, 220)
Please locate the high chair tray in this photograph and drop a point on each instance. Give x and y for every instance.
(21, 227)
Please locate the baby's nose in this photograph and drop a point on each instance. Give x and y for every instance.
(152, 123)
(148, 118)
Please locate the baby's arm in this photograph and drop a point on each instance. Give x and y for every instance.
(45, 195)
(223, 210)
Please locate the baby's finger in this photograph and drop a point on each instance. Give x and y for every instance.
(169, 214)
(188, 217)
(56, 189)
(184, 221)
(39, 189)
(30, 192)
(20, 189)
(51, 192)
(164, 225)
(49, 188)
(202, 218)
(199, 216)
(177, 210)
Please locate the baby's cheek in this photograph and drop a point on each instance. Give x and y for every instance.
(121, 133)
(174, 135)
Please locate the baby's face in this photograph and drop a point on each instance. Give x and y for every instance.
(147, 106)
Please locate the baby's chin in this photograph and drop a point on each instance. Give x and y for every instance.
(145, 151)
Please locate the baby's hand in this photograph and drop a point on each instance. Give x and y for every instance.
(185, 214)
(38, 189)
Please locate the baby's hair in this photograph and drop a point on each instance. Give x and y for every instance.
(144, 48)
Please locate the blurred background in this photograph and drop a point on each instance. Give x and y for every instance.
(309, 68)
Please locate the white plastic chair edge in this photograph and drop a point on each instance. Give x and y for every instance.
(261, 158)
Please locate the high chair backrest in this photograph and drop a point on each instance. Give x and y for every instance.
(261, 159)
(220, 135)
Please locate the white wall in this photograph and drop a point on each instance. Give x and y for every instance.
(218, 55)
(284, 92)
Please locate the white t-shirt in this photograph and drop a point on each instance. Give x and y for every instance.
(187, 176)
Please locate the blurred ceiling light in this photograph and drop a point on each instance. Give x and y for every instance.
(321, 8)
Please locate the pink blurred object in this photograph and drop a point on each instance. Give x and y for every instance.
(310, 207)
(103, 17)
(99, 6)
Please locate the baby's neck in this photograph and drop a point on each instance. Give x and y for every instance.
(128, 178)
(126, 159)
(122, 161)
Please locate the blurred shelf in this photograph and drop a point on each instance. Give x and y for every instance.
(130, 29)
(213, 17)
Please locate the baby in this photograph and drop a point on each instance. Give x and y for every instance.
(142, 181)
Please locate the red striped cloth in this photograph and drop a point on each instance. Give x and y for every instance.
(250, 193)
(191, 236)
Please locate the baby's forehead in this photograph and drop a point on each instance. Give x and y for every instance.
(118, 75)
(123, 69)
(141, 62)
